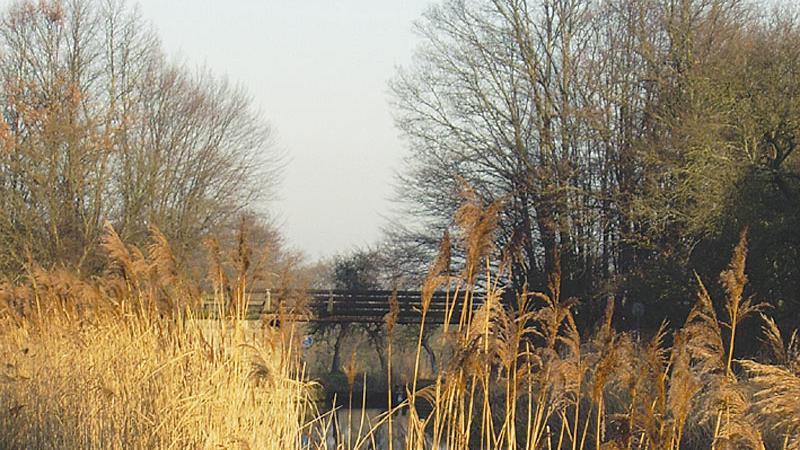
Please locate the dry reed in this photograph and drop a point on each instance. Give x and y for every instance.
(123, 361)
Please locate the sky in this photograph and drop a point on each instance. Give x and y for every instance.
(318, 70)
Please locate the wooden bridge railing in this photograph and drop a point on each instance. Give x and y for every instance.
(348, 306)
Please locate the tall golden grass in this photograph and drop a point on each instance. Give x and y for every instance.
(123, 361)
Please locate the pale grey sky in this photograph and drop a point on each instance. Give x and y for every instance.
(318, 69)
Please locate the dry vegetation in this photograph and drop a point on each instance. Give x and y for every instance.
(121, 361)
(627, 137)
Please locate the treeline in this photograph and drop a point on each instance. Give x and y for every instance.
(629, 141)
(98, 125)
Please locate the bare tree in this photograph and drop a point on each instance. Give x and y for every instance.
(618, 133)
(497, 100)
(100, 126)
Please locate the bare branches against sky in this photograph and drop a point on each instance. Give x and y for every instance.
(319, 71)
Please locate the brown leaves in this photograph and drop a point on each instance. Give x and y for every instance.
(7, 140)
(13, 297)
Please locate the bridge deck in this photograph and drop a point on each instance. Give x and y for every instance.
(349, 306)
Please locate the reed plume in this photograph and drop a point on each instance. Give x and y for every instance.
(776, 406)
(477, 223)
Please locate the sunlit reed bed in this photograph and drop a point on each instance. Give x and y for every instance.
(122, 361)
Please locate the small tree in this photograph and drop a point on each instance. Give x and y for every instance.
(356, 271)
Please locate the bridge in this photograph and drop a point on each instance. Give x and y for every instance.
(355, 306)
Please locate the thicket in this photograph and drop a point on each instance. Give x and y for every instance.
(630, 140)
(97, 124)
